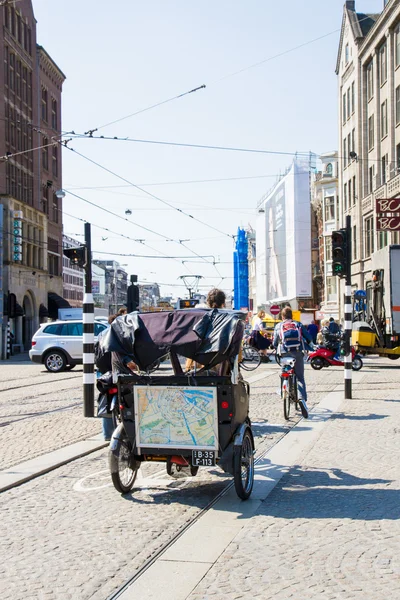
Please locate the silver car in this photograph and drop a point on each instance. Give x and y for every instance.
(59, 345)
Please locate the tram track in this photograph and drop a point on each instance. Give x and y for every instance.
(150, 561)
(35, 383)
(41, 413)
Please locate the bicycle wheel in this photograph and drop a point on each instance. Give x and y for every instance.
(286, 401)
(250, 359)
(243, 467)
(123, 466)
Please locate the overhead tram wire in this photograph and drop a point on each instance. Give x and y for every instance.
(155, 197)
(146, 192)
(200, 87)
(138, 225)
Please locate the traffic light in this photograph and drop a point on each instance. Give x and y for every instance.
(345, 346)
(189, 303)
(133, 298)
(77, 256)
(339, 253)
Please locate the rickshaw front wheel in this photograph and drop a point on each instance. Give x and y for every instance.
(122, 464)
(243, 467)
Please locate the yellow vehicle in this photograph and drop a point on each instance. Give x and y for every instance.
(376, 320)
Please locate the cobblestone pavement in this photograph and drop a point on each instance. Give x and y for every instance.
(331, 527)
(40, 412)
(69, 534)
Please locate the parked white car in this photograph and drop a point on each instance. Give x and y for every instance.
(59, 345)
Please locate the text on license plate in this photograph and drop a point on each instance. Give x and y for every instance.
(203, 458)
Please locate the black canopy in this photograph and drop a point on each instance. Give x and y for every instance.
(55, 302)
(207, 336)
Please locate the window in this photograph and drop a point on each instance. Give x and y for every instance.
(348, 148)
(12, 72)
(354, 242)
(382, 64)
(349, 186)
(54, 114)
(398, 157)
(329, 169)
(55, 161)
(371, 179)
(71, 329)
(45, 199)
(44, 104)
(382, 239)
(98, 328)
(398, 105)
(370, 80)
(345, 197)
(384, 120)
(353, 99)
(397, 46)
(45, 153)
(55, 209)
(52, 329)
(348, 104)
(371, 132)
(369, 236)
(331, 289)
(383, 168)
(328, 248)
(329, 208)
(344, 108)
(346, 54)
(353, 141)
(354, 191)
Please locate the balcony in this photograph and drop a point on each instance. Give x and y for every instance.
(367, 204)
(381, 192)
(393, 186)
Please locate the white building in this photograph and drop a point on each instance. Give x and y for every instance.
(368, 69)
(283, 240)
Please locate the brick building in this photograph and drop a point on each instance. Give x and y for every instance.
(30, 117)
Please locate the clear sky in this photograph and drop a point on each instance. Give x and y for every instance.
(123, 56)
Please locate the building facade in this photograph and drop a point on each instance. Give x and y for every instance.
(283, 239)
(116, 284)
(325, 203)
(73, 276)
(368, 69)
(30, 117)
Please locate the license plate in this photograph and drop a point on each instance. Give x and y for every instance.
(203, 458)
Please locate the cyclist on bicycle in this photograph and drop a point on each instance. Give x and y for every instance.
(290, 336)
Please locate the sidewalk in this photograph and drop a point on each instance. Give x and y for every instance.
(16, 358)
(323, 521)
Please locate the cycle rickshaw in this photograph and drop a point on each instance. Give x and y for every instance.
(184, 419)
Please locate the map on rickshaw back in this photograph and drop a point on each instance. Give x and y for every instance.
(176, 417)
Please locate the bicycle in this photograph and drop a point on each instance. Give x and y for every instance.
(289, 392)
(251, 358)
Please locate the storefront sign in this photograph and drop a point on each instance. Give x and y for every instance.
(387, 205)
(387, 223)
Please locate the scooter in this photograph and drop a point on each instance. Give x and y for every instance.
(324, 357)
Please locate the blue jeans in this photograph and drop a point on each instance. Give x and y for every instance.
(107, 426)
(299, 370)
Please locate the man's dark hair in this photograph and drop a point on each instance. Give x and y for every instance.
(216, 298)
(331, 319)
(287, 313)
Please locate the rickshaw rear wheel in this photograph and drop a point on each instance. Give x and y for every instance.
(123, 466)
(243, 467)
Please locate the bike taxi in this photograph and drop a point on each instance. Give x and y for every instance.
(186, 419)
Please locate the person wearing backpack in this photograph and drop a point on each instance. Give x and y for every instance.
(290, 336)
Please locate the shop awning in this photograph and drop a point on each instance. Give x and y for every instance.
(55, 302)
(19, 311)
(43, 312)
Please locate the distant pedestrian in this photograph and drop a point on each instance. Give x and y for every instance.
(333, 326)
(259, 336)
(312, 329)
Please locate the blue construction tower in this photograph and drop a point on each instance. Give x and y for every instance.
(241, 271)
